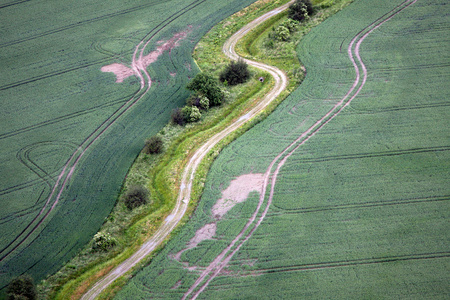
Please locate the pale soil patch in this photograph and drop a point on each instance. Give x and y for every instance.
(237, 192)
(122, 71)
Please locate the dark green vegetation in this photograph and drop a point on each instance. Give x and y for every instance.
(135, 197)
(207, 85)
(300, 10)
(236, 72)
(361, 209)
(59, 108)
(154, 145)
(22, 288)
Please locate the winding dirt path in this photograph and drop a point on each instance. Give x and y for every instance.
(188, 174)
(270, 176)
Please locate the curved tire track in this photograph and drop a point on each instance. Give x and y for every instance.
(270, 176)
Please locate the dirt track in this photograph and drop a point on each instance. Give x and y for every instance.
(188, 175)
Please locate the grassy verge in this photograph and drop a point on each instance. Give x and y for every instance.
(161, 173)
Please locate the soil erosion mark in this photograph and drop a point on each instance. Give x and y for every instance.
(223, 258)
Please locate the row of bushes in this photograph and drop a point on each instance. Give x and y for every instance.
(298, 12)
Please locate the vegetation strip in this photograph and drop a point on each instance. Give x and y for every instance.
(189, 173)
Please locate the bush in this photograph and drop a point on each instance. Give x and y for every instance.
(103, 241)
(282, 33)
(208, 86)
(198, 100)
(300, 10)
(153, 145)
(178, 117)
(235, 73)
(135, 197)
(22, 287)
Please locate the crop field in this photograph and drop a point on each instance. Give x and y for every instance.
(357, 162)
(82, 85)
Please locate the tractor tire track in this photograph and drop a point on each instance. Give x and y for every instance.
(270, 177)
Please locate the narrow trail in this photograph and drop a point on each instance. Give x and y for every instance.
(270, 177)
(189, 172)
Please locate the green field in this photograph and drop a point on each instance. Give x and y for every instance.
(360, 210)
(69, 133)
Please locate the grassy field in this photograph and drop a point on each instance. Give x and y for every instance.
(361, 209)
(60, 110)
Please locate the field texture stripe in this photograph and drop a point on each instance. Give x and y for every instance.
(219, 263)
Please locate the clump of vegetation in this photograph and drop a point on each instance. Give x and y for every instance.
(103, 242)
(135, 197)
(235, 73)
(22, 287)
(177, 117)
(208, 86)
(153, 145)
(199, 100)
(300, 10)
(283, 31)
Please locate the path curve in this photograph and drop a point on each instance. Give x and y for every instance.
(189, 172)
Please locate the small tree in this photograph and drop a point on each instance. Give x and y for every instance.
(135, 197)
(22, 287)
(103, 242)
(208, 86)
(300, 10)
(235, 73)
(153, 145)
(178, 116)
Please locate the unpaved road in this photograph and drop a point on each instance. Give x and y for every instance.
(188, 174)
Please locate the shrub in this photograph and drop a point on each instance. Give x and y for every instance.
(208, 86)
(153, 145)
(178, 117)
(282, 33)
(195, 114)
(235, 73)
(300, 10)
(135, 197)
(22, 287)
(198, 100)
(291, 24)
(103, 241)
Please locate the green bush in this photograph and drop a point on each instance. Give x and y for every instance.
(153, 145)
(22, 287)
(208, 86)
(103, 241)
(300, 10)
(135, 197)
(177, 117)
(235, 73)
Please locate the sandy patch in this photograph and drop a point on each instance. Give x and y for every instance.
(237, 192)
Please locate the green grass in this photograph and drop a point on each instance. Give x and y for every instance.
(54, 96)
(361, 209)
